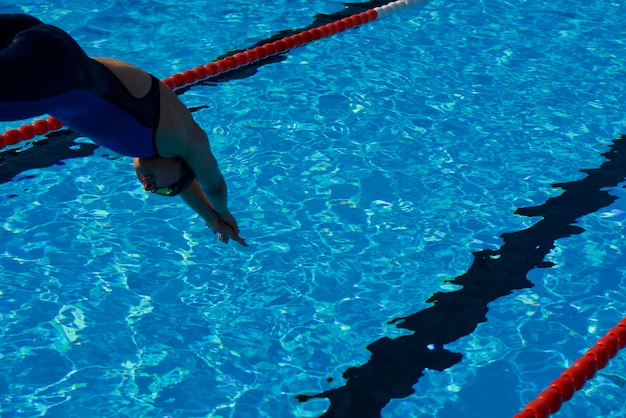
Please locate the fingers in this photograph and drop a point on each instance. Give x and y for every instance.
(227, 230)
(241, 241)
(225, 237)
(229, 219)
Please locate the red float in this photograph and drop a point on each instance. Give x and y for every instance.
(540, 408)
(357, 19)
(297, 39)
(578, 376)
(231, 62)
(526, 413)
(333, 28)
(252, 55)
(620, 334)
(349, 23)
(316, 33)
(307, 36)
(12, 136)
(372, 15)
(280, 45)
(270, 48)
(324, 30)
(26, 131)
(41, 126)
(241, 58)
(566, 387)
(610, 343)
(54, 123)
(588, 365)
(289, 42)
(189, 76)
(260, 52)
(599, 354)
(201, 72)
(553, 398)
(222, 67)
(178, 80)
(211, 69)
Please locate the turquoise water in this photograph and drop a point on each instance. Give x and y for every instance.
(364, 170)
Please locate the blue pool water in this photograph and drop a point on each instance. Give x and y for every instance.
(367, 170)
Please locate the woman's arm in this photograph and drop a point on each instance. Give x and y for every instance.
(180, 136)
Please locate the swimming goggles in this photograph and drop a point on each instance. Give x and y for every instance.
(187, 177)
(172, 190)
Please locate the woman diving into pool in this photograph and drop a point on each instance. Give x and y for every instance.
(44, 71)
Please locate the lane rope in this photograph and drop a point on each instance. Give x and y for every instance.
(574, 378)
(224, 65)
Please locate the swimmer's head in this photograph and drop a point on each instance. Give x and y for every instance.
(164, 176)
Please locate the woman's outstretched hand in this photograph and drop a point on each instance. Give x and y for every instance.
(226, 228)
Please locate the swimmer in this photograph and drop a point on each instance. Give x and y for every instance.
(173, 176)
(118, 106)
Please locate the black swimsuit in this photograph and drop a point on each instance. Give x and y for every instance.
(44, 71)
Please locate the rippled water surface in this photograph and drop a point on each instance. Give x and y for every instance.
(365, 169)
